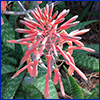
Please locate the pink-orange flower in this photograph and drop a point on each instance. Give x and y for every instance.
(3, 8)
(2, 21)
(46, 91)
(46, 35)
(39, 2)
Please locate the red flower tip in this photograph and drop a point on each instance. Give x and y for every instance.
(48, 57)
(39, 2)
(2, 21)
(35, 72)
(46, 91)
(61, 85)
(22, 69)
(56, 77)
(70, 70)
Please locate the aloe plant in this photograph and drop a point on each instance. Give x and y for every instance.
(26, 87)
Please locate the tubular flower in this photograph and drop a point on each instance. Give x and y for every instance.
(3, 8)
(46, 35)
(46, 91)
(39, 2)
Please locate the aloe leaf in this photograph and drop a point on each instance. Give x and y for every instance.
(32, 90)
(39, 83)
(7, 33)
(75, 89)
(12, 86)
(20, 95)
(80, 25)
(86, 62)
(3, 84)
(83, 14)
(9, 56)
(91, 97)
(96, 95)
(9, 60)
(68, 16)
(61, 6)
(6, 51)
(7, 69)
(93, 13)
(85, 93)
(18, 48)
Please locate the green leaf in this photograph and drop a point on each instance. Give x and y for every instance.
(93, 14)
(20, 95)
(7, 33)
(83, 14)
(9, 60)
(91, 97)
(7, 69)
(75, 89)
(6, 51)
(3, 84)
(80, 25)
(85, 93)
(32, 90)
(61, 6)
(86, 61)
(68, 16)
(39, 83)
(12, 86)
(96, 88)
(18, 48)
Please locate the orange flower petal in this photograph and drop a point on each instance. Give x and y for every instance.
(2, 21)
(48, 57)
(3, 5)
(46, 91)
(39, 2)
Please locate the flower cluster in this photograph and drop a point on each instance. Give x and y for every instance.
(46, 35)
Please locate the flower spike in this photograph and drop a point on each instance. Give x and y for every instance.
(46, 38)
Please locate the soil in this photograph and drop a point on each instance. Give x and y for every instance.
(92, 37)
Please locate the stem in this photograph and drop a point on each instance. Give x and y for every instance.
(22, 8)
(24, 12)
